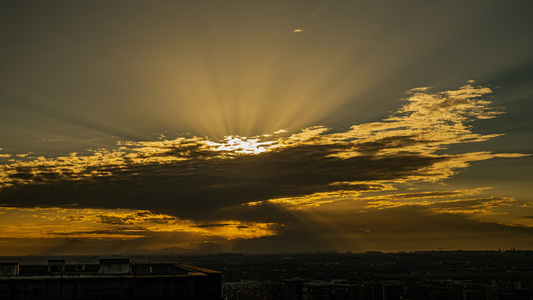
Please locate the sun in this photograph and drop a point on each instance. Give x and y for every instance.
(243, 145)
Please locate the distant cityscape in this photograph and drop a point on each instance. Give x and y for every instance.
(419, 275)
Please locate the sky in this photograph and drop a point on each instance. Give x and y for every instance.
(198, 127)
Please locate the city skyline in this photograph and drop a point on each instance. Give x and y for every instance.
(265, 127)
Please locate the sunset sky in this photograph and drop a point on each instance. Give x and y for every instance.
(135, 127)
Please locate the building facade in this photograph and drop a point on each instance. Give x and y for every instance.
(110, 279)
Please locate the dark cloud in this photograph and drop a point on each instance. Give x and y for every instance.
(426, 195)
(116, 220)
(75, 218)
(474, 203)
(81, 246)
(110, 232)
(407, 228)
(184, 188)
(397, 142)
(135, 218)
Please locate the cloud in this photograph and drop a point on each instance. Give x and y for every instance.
(487, 236)
(188, 174)
(344, 226)
(482, 205)
(117, 232)
(215, 185)
(216, 225)
(340, 226)
(127, 225)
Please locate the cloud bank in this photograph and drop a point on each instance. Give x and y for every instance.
(276, 178)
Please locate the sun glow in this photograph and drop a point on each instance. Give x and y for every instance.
(239, 144)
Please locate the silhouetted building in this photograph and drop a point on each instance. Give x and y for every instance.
(110, 279)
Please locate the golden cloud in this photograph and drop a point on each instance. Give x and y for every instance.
(310, 168)
(116, 223)
(427, 123)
